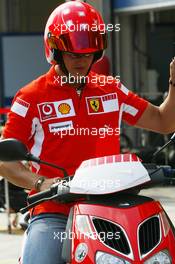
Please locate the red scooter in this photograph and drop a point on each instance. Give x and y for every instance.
(109, 223)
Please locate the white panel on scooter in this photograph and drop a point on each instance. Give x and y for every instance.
(109, 174)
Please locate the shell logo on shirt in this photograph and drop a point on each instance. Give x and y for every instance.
(102, 104)
(64, 108)
(53, 110)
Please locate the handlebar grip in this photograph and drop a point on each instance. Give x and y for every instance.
(37, 196)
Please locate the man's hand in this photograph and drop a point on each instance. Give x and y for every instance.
(18, 174)
(161, 119)
(172, 71)
(48, 182)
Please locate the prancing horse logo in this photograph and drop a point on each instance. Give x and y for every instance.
(95, 104)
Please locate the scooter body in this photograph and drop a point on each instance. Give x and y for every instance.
(118, 228)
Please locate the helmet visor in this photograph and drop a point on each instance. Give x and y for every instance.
(80, 41)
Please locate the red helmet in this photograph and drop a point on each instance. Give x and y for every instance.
(74, 27)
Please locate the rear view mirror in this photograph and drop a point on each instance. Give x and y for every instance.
(12, 150)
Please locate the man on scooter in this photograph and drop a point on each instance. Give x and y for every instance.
(69, 115)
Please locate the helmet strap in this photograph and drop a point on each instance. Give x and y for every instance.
(57, 55)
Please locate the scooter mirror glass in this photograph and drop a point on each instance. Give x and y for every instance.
(12, 150)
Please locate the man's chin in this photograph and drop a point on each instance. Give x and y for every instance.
(79, 74)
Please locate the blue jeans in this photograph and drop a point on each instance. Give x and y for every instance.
(43, 243)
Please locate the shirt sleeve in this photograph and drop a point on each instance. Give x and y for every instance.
(19, 121)
(133, 106)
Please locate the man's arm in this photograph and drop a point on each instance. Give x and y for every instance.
(18, 174)
(161, 119)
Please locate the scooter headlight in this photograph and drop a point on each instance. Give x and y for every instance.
(162, 257)
(104, 258)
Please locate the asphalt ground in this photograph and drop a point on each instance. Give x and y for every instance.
(10, 244)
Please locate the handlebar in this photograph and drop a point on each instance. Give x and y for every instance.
(57, 191)
(38, 196)
(159, 174)
(57, 188)
(61, 191)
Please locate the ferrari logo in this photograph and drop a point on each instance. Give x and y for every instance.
(95, 104)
